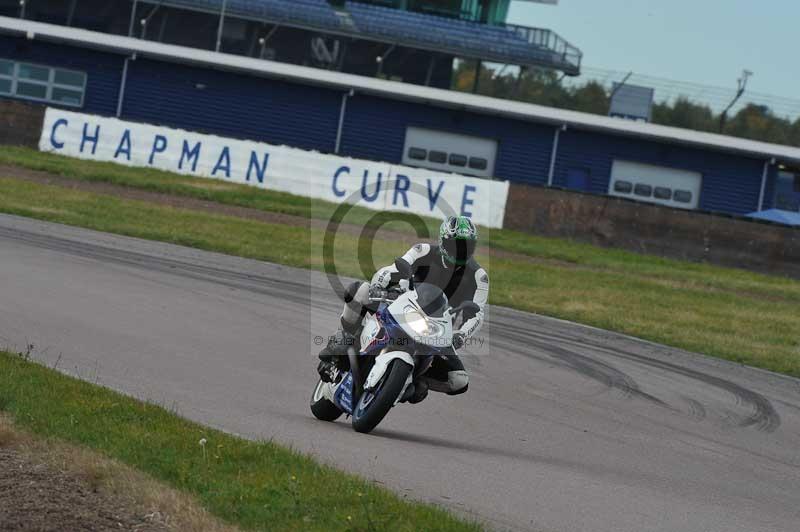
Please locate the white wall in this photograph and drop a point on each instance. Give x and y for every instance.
(378, 186)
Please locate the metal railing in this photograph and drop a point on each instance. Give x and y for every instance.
(552, 41)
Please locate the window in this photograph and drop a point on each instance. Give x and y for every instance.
(31, 90)
(33, 72)
(438, 157)
(67, 96)
(42, 83)
(68, 77)
(682, 196)
(418, 154)
(623, 187)
(663, 193)
(458, 160)
(643, 190)
(478, 163)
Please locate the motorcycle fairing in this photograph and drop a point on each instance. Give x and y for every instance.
(374, 335)
(379, 330)
(382, 362)
(343, 396)
(398, 311)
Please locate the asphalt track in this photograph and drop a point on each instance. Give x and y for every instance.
(565, 428)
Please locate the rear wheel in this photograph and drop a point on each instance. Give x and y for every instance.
(373, 405)
(321, 407)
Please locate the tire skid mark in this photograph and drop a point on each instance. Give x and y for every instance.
(763, 415)
(264, 285)
(594, 369)
(696, 409)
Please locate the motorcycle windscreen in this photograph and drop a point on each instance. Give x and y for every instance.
(460, 249)
(432, 300)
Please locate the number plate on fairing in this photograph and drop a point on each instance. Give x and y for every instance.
(343, 396)
(370, 332)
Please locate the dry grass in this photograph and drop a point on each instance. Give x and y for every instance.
(47, 210)
(211, 185)
(8, 436)
(161, 504)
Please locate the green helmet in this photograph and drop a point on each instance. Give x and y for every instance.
(457, 239)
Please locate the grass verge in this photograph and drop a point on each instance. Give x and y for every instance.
(109, 487)
(732, 314)
(253, 485)
(192, 187)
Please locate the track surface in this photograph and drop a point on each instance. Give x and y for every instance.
(565, 428)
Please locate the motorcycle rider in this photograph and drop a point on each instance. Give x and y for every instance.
(450, 266)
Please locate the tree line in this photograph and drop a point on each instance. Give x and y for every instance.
(757, 122)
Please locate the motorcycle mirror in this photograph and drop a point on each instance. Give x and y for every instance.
(403, 268)
(468, 308)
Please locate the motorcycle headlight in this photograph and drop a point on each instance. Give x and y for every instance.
(417, 322)
(420, 324)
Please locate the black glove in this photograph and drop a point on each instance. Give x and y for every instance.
(376, 290)
(459, 339)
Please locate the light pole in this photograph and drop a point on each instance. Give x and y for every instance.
(263, 42)
(21, 8)
(146, 20)
(221, 25)
(742, 86)
(133, 17)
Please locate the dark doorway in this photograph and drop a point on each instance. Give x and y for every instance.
(579, 179)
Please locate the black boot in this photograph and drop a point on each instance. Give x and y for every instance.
(416, 392)
(345, 336)
(334, 355)
(327, 371)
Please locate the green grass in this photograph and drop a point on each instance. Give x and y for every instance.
(728, 313)
(198, 188)
(255, 485)
(572, 254)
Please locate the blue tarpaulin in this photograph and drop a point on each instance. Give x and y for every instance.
(777, 216)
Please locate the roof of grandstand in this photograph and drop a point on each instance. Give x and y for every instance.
(516, 45)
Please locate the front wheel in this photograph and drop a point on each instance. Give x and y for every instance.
(373, 405)
(321, 407)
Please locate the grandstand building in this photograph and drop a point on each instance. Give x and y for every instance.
(83, 59)
(415, 41)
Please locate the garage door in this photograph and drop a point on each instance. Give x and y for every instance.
(656, 184)
(450, 152)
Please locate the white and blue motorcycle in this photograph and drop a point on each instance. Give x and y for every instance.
(398, 343)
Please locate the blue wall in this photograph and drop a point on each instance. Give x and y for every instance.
(731, 183)
(232, 105)
(375, 128)
(280, 112)
(105, 70)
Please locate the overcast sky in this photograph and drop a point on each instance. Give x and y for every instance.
(703, 41)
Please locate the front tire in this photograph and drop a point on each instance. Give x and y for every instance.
(322, 408)
(373, 407)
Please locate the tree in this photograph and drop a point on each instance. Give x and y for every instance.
(757, 122)
(591, 98)
(794, 133)
(544, 87)
(686, 114)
